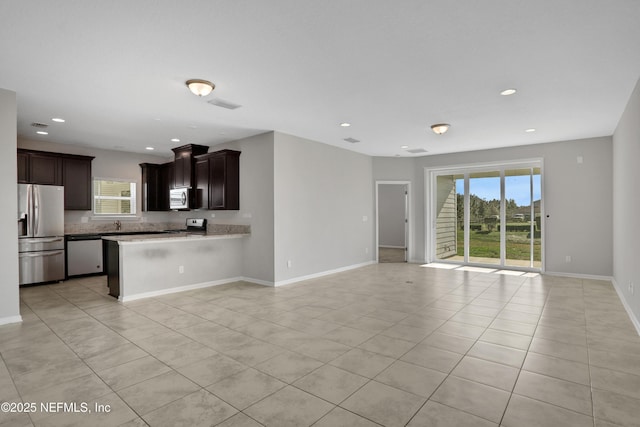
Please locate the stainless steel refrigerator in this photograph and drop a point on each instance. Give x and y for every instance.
(40, 233)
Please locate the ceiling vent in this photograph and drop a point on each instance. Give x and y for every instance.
(39, 125)
(224, 104)
(352, 140)
(416, 150)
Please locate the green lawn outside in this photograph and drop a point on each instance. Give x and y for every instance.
(487, 245)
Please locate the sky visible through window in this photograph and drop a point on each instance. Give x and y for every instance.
(516, 187)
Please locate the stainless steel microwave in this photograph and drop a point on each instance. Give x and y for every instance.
(179, 198)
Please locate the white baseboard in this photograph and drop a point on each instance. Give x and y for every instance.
(257, 281)
(10, 319)
(391, 247)
(322, 273)
(634, 319)
(578, 276)
(158, 293)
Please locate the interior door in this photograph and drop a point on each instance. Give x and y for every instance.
(392, 222)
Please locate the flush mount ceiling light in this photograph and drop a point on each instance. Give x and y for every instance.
(200, 87)
(508, 92)
(440, 128)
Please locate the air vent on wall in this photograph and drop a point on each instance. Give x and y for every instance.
(39, 125)
(352, 140)
(416, 150)
(224, 104)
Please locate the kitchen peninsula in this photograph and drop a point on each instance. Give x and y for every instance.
(141, 266)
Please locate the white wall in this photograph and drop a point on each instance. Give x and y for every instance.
(9, 294)
(152, 268)
(626, 205)
(256, 205)
(391, 215)
(578, 198)
(322, 194)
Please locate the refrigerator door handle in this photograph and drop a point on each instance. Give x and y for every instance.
(36, 210)
(39, 254)
(43, 240)
(29, 214)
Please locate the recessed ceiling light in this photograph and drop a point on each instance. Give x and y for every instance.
(508, 92)
(150, 148)
(41, 132)
(345, 124)
(404, 147)
(175, 140)
(58, 120)
(530, 130)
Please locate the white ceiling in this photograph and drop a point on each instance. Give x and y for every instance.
(116, 70)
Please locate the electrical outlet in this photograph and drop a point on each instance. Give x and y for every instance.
(366, 250)
(567, 259)
(289, 264)
(181, 269)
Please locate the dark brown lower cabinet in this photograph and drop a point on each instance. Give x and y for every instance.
(112, 266)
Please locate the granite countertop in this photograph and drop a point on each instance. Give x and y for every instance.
(170, 237)
(146, 229)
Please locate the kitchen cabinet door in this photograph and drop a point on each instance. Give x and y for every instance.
(45, 169)
(224, 180)
(77, 183)
(184, 164)
(202, 184)
(156, 182)
(23, 168)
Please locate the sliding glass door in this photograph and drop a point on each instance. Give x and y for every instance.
(488, 215)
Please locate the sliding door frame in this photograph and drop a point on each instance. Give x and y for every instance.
(466, 169)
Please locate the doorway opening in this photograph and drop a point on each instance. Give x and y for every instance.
(392, 234)
(487, 215)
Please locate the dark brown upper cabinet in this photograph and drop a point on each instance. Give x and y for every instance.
(23, 167)
(157, 180)
(70, 170)
(45, 169)
(218, 180)
(184, 164)
(76, 178)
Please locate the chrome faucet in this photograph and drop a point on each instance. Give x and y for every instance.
(118, 225)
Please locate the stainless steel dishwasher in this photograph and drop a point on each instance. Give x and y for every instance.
(84, 254)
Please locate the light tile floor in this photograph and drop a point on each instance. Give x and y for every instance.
(388, 344)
